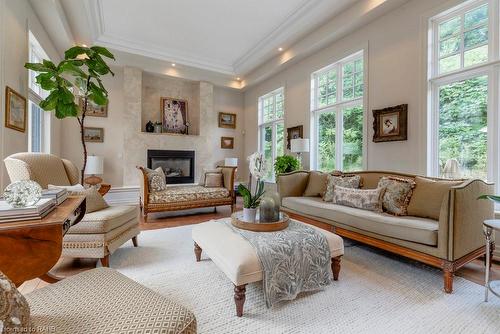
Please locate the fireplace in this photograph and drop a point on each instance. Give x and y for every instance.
(178, 166)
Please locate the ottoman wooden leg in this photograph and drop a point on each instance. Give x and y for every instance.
(197, 252)
(336, 267)
(239, 298)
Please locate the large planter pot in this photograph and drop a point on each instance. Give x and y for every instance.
(249, 214)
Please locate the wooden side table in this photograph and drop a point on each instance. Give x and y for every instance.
(29, 249)
(488, 227)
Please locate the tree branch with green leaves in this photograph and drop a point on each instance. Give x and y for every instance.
(79, 74)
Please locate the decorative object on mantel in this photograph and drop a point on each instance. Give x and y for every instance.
(293, 133)
(299, 146)
(157, 127)
(174, 115)
(22, 193)
(15, 110)
(257, 168)
(93, 109)
(227, 143)
(150, 127)
(227, 120)
(390, 124)
(79, 72)
(95, 166)
(93, 135)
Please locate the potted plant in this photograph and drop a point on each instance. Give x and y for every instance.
(286, 164)
(494, 198)
(257, 167)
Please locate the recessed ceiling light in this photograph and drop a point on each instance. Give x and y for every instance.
(173, 64)
(280, 49)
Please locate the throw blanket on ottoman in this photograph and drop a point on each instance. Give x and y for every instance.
(294, 260)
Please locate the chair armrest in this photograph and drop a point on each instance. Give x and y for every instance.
(144, 186)
(466, 216)
(104, 188)
(292, 184)
(228, 173)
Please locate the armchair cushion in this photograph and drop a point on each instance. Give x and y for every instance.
(95, 201)
(187, 193)
(105, 220)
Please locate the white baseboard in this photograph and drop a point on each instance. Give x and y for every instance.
(122, 195)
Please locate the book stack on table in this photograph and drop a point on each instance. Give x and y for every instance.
(59, 195)
(10, 214)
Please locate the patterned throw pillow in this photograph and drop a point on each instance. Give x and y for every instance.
(214, 180)
(366, 199)
(397, 195)
(349, 181)
(156, 179)
(14, 309)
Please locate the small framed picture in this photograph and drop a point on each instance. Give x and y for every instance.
(15, 110)
(227, 143)
(93, 109)
(227, 120)
(293, 133)
(174, 115)
(93, 135)
(390, 124)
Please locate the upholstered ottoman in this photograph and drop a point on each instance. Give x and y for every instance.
(238, 260)
(104, 301)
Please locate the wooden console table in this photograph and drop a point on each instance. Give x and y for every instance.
(29, 249)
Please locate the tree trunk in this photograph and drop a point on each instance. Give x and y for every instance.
(82, 135)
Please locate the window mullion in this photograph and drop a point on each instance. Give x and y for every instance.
(339, 138)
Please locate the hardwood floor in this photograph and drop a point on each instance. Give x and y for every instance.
(473, 271)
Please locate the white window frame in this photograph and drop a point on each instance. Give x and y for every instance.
(35, 95)
(435, 81)
(273, 123)
(337, 107)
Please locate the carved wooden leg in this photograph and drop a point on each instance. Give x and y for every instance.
(134, 241)
(215, 209)
(145, 216)
(232, 208)
(336, 267)
(239, 298)
(492, 250)
(448, 274)
(105, 261)
(197, 252)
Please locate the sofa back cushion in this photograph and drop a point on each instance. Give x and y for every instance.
(348, 181)
(316, 185)
(366, 199)
(428, 197)
(397, 194)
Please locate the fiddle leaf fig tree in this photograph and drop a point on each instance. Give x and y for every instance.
(78, 74)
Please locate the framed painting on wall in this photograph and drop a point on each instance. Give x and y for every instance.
(227, 143)
(390, 124)
(93, 109)
(174, 113)
(293, 133)
(15, 110)
(227, 120)
(93, 135)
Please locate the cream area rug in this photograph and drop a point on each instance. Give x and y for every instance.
(375, 294)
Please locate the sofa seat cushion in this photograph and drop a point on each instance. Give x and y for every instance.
(409, 228)
(236, 257)
(105, 220)
(187, 193)
(105, 301)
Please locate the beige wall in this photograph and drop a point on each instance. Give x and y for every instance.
(16, 20)
(396, 75)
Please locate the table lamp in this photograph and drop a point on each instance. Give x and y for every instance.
(299, 146)
(231, 162)
(95, 166)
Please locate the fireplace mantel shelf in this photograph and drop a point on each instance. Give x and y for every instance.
(167, 134)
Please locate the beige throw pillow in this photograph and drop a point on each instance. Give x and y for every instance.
(397, 194)
(316, 184)
(214, 180)
(205, 171)
(14, 309)
(366, 199)
(351, 181)
(428, 197)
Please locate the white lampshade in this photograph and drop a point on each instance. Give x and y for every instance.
(299, 145)
(231, 162)
(95, 165)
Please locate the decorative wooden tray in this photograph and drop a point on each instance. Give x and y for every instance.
(237, 221)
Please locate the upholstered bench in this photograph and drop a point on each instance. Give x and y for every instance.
(104, 301)
(238, 260)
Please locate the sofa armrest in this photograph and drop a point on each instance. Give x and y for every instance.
(228, 173)
(292, 184)
(466, 215)
(144, 186)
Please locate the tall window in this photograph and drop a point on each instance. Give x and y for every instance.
(271, 128)
(463, 82)
(338, 115)
(38, 120)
